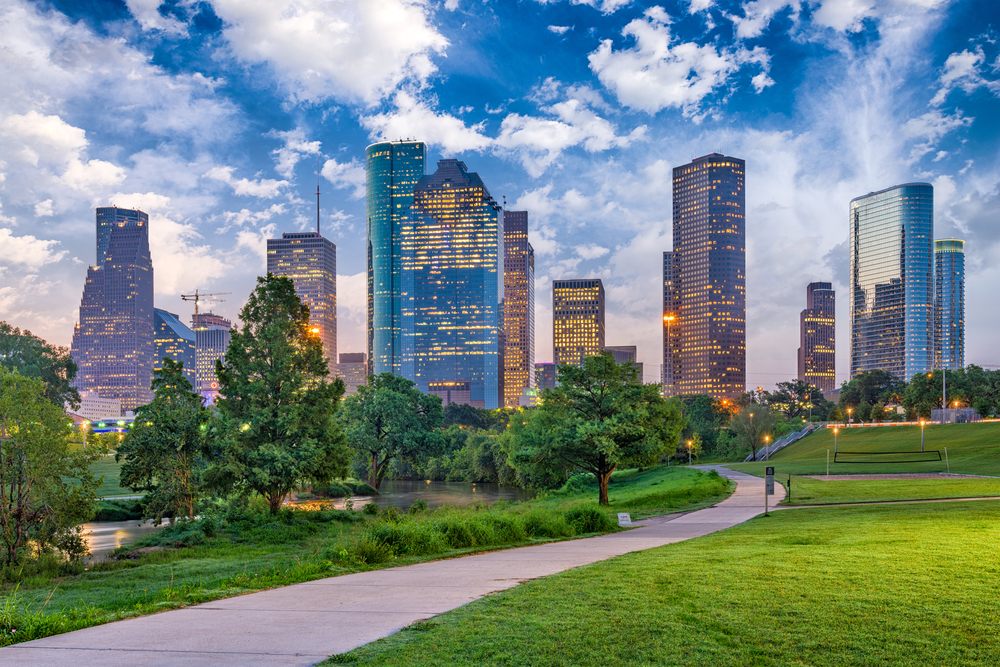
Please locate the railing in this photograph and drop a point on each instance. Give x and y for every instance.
(766, 451)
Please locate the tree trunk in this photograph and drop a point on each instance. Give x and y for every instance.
(274, 502)
(603, 478)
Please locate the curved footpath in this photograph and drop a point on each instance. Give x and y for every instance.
(305, 623)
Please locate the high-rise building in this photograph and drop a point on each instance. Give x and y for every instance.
(624, 354)
(392, 171)
(704, 280)
(212, 334)
(518, 308)
(817, 337)
(353, 370)
(577, 319)
(174, 340)
(949, 304)
(545, 376)
(451, 258)
(310, 260)
(891, 235)
(113, 341)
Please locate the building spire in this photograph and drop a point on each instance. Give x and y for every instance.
(317, 192)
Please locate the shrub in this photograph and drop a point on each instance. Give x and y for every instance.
(368, 551)
(408, 539)
(361, 489)
(546, 524)
(417, 507)
(371, 509)
(118, 510)
(589, 520)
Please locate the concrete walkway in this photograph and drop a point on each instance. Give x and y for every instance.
(305, 623)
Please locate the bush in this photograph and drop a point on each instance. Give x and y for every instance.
(371, 509)
(546, 524)
(418, 506)
(368, 551)
(119, 510)
(589, 520)
(407, 539)
(361, 489)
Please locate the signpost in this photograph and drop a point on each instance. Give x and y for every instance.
(768, 485)
(624, 519)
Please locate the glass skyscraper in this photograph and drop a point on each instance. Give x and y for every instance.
(577, 319)
(949, 304)
(891, 235)
(310, 260)
(353, 370)
(392, 171)
(113, 342)
(174, 340)
(212, 334)
(450, 263)
(518, 308)
(817, 337)
(704, 280)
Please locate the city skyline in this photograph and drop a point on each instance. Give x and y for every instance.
(219, 144)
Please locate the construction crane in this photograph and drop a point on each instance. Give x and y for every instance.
(206, 297)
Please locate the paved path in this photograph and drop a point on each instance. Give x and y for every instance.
(305, 623)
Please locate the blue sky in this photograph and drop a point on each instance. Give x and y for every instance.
(210, 116)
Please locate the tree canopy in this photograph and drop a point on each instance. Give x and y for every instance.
(32, 357)
(752, 424)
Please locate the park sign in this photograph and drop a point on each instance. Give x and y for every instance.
(769, 480)
(624, 519)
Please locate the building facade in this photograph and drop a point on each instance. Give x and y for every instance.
(817, 337)
(310, 260)
(518, 308)
(176, 341)
(113, 343)
(704, 280)
(451, 259)
(577, 319)
(212, 334)
(545, 376)
(949, 304)
(891, 236)
(392, 170)
(625, 354)
(353, 370)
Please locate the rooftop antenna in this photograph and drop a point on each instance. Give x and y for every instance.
(505, 202)
(317, 192)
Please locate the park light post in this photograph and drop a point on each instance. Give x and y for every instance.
(767, 448)
(921, 435)
(690, 442)
(850, 418)
(835, 430)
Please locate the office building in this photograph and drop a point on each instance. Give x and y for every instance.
(176, 341)
(949, 304)
(577, 319)
(625, 354)
(817, 337)
(113, 343)
(392, 171)
(891, 237)
(518, 308)
(451, 259)
(310, 260)
(212, 334)
(545, 376)
(353, 370)
(704, 280)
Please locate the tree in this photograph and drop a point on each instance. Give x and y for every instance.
(390, 418)
(600, 417)
(275, 428)
(32, 357)
(161, 450)
(46, 488)
(751, 424)
(870, 387)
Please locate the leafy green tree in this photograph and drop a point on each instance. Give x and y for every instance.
(751, 424)
(871, 387)
(46, 487)
(276, 427)
(32, 357)
(389, 418)
(600, 417)
(161, 452)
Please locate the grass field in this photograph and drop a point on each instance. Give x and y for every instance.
(872, 586)
(808, 491)
(106, 466)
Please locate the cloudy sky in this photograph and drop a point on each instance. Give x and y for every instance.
(211, 114)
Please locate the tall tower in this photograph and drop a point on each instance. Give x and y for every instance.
(451, 259)
(949, 304)
(518, 307)
(817, 337)
(212, 334)
(175, 340)
(704, 278)
(310, 260)
(392, 171)
(113, 342)
(891, 234)
(577, 319)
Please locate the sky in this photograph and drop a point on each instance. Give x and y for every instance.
(213, 115)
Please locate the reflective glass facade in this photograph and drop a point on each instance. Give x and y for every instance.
(176, 341)
(891, 234)
(577, 319)
(451, 258)
(817, 337)
(518, 308)
(392, 170)
(212, 334)
(545, 376)
(704, 280)
(949, 304)
(353, 370)
(310, 260)
(109, 217)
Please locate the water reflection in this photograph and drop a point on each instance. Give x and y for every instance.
(403, 493)
(103, 537)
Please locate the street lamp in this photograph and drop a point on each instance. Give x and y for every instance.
(835, 430)
(767, 448)
(921, 435)
(850, 419)
(690, 442)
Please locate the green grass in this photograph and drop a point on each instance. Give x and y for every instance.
(881, 585)
(106, 466)
(808, 491)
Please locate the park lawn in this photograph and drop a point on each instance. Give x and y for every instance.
(808, 491)
(879, 585)
(110, 469)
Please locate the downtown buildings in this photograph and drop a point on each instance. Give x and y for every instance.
(518, 308)
(817, 337)
(175, 340)
(212, 334)
(949, 304)
(577, 319)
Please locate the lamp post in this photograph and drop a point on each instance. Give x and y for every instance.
(834, 443)
(753, 445)
(668, 318)
(690, 442)
(767, 448)
(850, 419)
(921, 435)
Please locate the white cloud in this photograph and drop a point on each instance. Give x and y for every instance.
(843, 15)
(962, 70)
(146, 12)
(256, 243)
(352, 49)
(930, 128)
(414, 118)
(43, 209)
(606, 7)
(295, 148)
(346, 175)
(700, 6)
(266, 188)
(757, 14)
(653, 74)
(591, 251)
(28, 251)
(451, 5)
(352, 312)
(559, 29)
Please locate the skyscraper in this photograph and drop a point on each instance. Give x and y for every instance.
(949, 304)
(704, 280)
(623, 354)
(891, 235)
(451, 259)
(174, 340)
(817, 336)
(519, 307)
(212, 334)
(113, 341)
(310, 260)
(392, 171)
(353, 370)
(577, 319)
